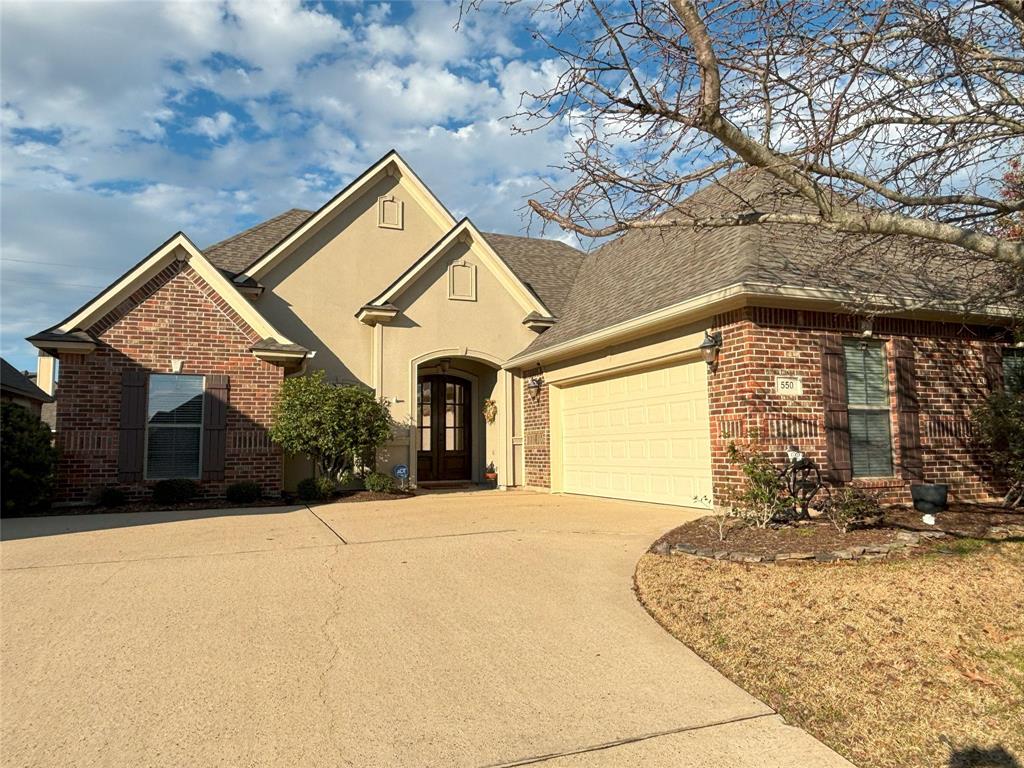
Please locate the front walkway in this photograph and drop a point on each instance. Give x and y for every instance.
(457, 629)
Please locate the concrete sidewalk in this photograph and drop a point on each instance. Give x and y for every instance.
(469, 629)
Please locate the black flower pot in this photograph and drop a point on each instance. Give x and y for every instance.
(929, 498)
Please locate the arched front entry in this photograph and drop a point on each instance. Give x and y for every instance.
(444, 428)
(461, 443)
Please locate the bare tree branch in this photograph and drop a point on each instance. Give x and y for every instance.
(890, 120)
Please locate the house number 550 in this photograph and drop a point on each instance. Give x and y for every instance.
(789, 386)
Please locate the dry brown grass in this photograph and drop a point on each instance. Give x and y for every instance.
(884, 661)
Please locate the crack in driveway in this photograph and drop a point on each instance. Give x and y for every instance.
(534, 759)
(335, 646)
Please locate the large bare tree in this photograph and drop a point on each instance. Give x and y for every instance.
(886, 119)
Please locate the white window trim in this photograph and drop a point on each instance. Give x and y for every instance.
(202, 422)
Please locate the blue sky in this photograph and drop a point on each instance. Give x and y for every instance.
(124, 122)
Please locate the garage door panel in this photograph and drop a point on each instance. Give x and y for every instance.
(642, 436)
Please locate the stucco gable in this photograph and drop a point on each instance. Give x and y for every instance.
(391, 165)
(466, 234)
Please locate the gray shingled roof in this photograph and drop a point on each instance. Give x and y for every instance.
(645, 270)
(548, 267)
(16, 383)
(239, 251)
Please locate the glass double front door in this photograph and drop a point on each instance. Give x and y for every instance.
(443, 428)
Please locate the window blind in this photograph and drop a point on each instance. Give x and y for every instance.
(174, 427)
(867, 393)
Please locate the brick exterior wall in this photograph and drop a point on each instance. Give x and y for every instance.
(176, 315)
(537, 431)
(760, 344)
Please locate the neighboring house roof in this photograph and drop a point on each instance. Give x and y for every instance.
(547, 267)
(237, 252)
(14, 382)
(646, 270)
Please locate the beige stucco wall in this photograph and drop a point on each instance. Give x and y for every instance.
(486, 332)
(314, 293)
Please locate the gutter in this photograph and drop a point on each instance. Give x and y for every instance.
(732, 297)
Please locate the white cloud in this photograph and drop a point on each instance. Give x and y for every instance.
(207, 116)
(216, 127)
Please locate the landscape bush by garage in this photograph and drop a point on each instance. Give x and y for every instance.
(851, 507)
(761, 498)
(177, 491)
(243, 493)
(28, 461)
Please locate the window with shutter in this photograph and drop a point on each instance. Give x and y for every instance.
(867, 398)
(174, 427)
(1013, 371)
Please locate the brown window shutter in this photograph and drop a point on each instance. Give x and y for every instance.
(837, 417)
(908, 409)
(993, 367)
(215, 419)
(131, 444)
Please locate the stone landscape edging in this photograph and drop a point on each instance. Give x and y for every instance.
(903, 540)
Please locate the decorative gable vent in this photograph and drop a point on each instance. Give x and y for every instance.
(462, 281)
(390, 212)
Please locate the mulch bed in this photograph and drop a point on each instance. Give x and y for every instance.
(812, 537)
(809, 537)
(972, 520)
(354, 496)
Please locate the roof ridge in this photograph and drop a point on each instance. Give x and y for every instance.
(534, 239)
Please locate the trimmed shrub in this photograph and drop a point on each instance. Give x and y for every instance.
(762, 496)
(177, 491)
(326, 487)
(28, 458)
(244, 492)
(308, 490)
(111, 496)
(852, 507)
(378, 482)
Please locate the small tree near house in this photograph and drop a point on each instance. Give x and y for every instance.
(337, 426)
(28, 458)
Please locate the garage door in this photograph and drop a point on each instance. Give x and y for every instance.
(643, 436)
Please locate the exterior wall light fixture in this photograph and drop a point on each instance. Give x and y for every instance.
(710, 347)
(534, 384)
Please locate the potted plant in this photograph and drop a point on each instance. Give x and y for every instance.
(929, 498)
(491, 475)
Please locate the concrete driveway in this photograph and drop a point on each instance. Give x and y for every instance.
(466, 629)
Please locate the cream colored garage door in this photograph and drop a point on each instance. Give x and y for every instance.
(643, 436)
